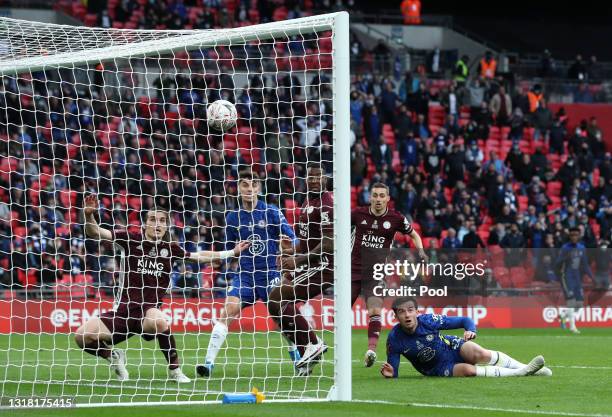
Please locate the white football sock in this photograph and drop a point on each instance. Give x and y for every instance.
(571, 318)
(502, 360)
(496, 371)
(217, 338)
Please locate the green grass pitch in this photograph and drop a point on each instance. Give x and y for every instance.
(581, 384)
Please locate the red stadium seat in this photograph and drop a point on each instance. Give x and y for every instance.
(553, 188)
(91, 19)
(280, 13)
(519, 277)
(501, 275)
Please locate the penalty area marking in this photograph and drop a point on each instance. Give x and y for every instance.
(477, 408)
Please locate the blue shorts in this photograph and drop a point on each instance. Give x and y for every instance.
(253, 286)
(572, 287)
(448, 358)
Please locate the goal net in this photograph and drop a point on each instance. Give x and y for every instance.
(122, 114)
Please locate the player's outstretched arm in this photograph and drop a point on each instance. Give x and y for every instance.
(466, 323)
(418, 243)
(206, 256)
(92, 229)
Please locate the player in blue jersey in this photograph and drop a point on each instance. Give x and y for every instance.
(572, 264)
(267, 230)
(418, 339)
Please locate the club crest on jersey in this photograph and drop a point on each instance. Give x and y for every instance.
(426, 354)
(387, 225)
(429, 337)
(257, 245)
(163, 252)
(261, 223)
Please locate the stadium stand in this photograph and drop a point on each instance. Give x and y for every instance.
(461, 160)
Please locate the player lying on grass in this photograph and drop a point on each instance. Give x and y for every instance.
(146, 264)
(374, 229)
(266, 228)
(418, 338)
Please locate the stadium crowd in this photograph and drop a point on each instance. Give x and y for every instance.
(60, 141)
(478, 163)
(473, 161)
(194, 14)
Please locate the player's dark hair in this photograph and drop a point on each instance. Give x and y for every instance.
(574, 229)
(248, 174)
(314, 165)
(380, 185)
(403, 300)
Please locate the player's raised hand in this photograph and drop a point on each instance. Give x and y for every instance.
(423, 256)
(386, 370)
(241, 246)
(90, 204)
(286, 245)
(468, 335)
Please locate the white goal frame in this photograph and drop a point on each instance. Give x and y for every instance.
(36, 58)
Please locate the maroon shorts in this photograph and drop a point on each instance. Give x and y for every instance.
(365, 287)
(311, 282)
(126, 321)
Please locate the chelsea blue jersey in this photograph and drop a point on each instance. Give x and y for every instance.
(573, 260)
(426, 349)
(263, 228)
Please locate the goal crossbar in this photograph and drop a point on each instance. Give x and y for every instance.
(163, 41)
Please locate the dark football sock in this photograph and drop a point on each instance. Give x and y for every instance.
(98, 348)
(294, 322)
(167, 344)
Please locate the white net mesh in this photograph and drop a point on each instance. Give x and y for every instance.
(122, 114)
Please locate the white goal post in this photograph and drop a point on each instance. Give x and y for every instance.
(121, 58)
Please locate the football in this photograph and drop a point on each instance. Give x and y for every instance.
(221, 115)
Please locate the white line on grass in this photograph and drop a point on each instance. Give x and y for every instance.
(247, 361)
(544, 336)
(135, 387)
(477, 408)
(580, 367)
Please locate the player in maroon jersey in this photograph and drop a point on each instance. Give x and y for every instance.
(373, 230)
(310, 270)
(146, 264)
